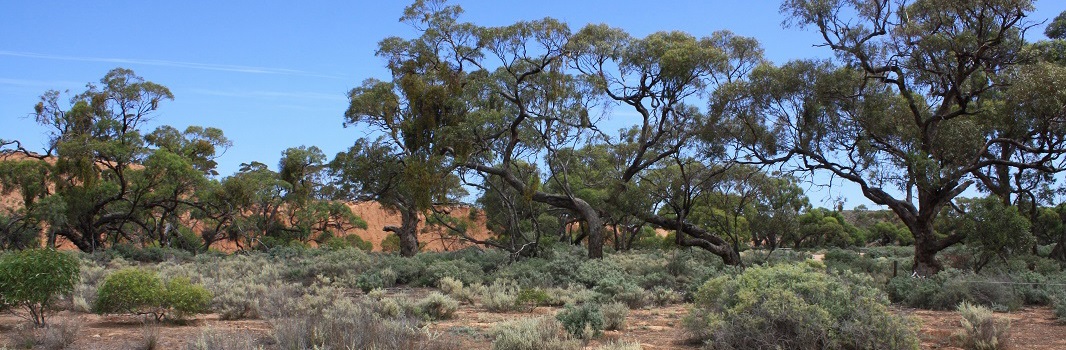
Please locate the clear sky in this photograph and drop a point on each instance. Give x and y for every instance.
(274, 74)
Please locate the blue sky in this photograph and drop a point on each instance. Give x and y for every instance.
(274, 74)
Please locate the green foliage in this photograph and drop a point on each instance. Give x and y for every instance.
(130, 290)
(1060, 307)
(349, 241)
(391, 243)
(459, 269)
(821, 227)
(531, 298)
(33, 279)
(981, 329)
(993, 230)
(796, 307)
(185, 298)
(583, 321)
(133, 290)
(949, 288)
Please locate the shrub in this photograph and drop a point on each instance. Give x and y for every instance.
(981, 329)
(139, 291)
(950, 287)
(437, 306)
(369, 281)
(211, 339)
(60, 335)
(502, 295)
(584, 321)
(614, 316)
(1060, 308)
(796, 307)
(236, 300)
(33, 278)
(543, 333)
(184, 298)
(450, 286)
(620, 345)
(376, 294)
(342, 324)
(531, 298)
(462, 270)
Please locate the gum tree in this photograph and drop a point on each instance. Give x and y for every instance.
(911, 108)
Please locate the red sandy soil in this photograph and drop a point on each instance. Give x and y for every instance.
(655, 328)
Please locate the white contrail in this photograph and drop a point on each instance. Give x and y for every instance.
(178, 64)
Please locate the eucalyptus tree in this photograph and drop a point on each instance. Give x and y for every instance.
(661, 78)
(910, 109)
(96, 141)
(419, 114)
(473, 101)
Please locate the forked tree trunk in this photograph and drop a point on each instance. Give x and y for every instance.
(407, 232)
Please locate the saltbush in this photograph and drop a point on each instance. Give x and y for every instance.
(614, 316)
(501, 296)
(584, 321)
(33, 278)
(544, 333)
(796, 307)
(981, 329)
(462, 270)
(437, 306)
(945, 290)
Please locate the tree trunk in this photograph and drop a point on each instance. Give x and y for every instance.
(1059, 252)
(926, 246)
(407, 232)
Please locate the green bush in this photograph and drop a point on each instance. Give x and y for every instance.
(140, 291)
(796, 307)
(981, 329)
(33, 279)
(945, 290)
(465, 271)
(583, 321)
(531, 298)
(185, 298)
(369, 281)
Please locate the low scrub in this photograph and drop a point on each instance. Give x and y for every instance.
(583, 321)
(796, 307)
(543, 333)
(981, 329)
